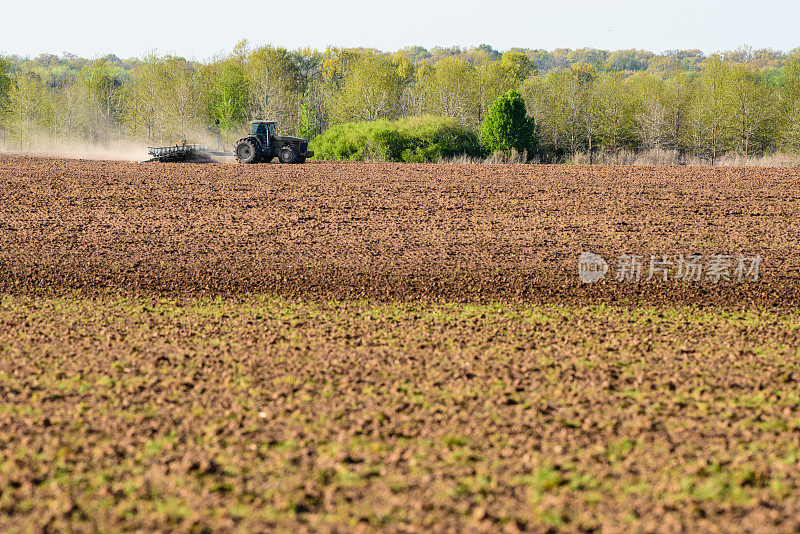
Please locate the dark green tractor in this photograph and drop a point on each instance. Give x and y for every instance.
(263, 144)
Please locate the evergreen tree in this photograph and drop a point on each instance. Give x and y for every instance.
(508, 126)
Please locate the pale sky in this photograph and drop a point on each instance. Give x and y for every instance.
(203, 28)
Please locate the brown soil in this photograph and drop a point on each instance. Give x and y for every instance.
(389, 231)
(360, 347)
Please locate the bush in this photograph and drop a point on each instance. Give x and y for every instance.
(414, 139)
(507, 125)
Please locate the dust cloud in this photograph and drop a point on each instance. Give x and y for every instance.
(72, 149)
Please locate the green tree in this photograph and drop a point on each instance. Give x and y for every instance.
(519, 66)
(789, 107)
(508, 126)
(710, 110)
(5, 80)
(545, 106)
(614, 111)
(560, 103)
(31, 107)
(649, 111)
(142, 111)
(313, 111)
(275, 86)
(416, 53)
(587, 56)
(227, 89)
(679, 92)
(409, 103)
(749, 107)
(493, 79)
(165, 100)
(371, 90)
(583, 107)
(487, 51)
(104, 85)
(5, 93)
(628, 60)
(450, 88)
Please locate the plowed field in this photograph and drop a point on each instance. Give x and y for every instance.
(342, 346)
(389, 231)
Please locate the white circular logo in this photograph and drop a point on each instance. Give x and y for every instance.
(591, 267)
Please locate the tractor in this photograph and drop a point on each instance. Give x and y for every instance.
(263, 144)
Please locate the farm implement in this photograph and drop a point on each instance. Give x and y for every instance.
(185, 152)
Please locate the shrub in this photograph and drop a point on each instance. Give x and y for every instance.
(413, 139)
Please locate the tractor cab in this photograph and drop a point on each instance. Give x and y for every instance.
(264, 130)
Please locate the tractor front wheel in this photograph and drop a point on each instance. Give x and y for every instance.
(287, 155)
(248, 151)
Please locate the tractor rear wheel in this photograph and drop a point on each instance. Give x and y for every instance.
(287, 155)
(301, 159)
(248, 151)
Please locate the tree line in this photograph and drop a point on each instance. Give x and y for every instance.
(589, 101)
